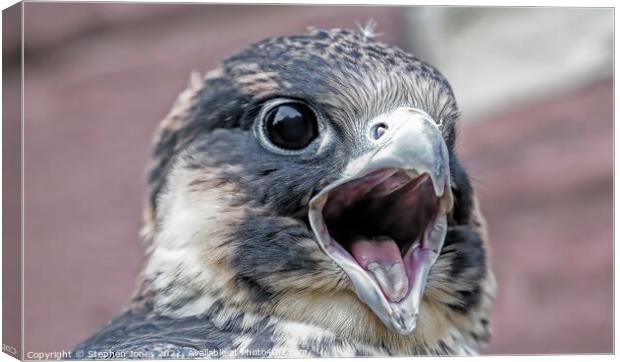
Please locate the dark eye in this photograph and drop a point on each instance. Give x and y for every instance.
(291, 125)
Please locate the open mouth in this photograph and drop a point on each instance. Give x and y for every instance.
(379, 220)
(384, 221)
(385, 229)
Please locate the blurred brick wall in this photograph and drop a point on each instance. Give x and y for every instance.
(99, 77)
(544, 175)
(11, 190)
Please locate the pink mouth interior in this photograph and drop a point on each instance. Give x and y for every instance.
(380, 220)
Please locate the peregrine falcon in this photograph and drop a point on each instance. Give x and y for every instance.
(306, 199)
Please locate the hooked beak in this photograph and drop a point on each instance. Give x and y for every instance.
(384, 222)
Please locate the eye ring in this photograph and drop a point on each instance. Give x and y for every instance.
(289, 125)
(378, 130)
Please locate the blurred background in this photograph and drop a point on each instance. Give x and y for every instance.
(534, 84)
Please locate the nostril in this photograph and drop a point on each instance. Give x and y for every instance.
(378, 131)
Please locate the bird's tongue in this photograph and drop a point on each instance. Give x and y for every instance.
(382, 259)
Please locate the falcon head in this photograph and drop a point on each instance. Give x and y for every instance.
(315, 178)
